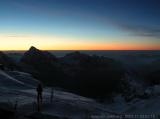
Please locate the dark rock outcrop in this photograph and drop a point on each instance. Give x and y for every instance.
(91, 76)
(43, 66)
(7, 61)
(6, 111)
(34, 55)
(152, 75)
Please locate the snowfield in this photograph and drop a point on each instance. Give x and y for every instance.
(21, 88)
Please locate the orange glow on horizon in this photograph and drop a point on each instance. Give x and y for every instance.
(87, 47)
(71, 43)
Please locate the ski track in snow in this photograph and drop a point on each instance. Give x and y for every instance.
(6, 75)
(15, 80)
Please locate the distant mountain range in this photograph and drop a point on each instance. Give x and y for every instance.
(87, 75)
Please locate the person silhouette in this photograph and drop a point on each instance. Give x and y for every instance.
(39, 95)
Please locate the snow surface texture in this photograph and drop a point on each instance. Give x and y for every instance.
(15, 87)
(21, 87)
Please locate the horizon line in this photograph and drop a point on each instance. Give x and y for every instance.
(93, 50)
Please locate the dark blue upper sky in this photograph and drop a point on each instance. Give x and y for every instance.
(115, 23)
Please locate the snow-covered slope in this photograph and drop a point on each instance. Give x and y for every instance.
(20, 87)
(15, 79)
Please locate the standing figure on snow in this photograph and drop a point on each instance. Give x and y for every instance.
(39, 95)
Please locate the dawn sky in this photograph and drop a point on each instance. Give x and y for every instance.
(80, 24)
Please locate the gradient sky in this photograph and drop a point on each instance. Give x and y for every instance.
(80, 24)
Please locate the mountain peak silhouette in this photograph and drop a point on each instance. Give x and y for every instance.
(32, 48)
(34, 55)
